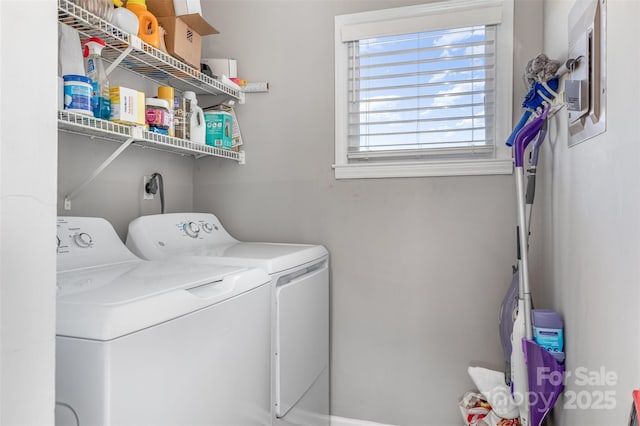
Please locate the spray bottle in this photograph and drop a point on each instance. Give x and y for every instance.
(100, 103)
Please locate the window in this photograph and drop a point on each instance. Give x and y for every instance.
(424, 90)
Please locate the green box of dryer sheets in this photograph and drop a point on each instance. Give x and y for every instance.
(219, 129)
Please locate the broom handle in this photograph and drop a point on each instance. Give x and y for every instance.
(525, 290)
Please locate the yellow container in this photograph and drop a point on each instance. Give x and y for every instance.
(167, 93)
(148, 30)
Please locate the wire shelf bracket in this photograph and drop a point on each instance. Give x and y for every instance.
(98, 170)
(135, 41)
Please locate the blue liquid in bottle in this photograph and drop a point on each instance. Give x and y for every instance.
(100, 99)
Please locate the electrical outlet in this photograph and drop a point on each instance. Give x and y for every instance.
(145, 194)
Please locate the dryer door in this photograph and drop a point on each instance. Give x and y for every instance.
(302, 337)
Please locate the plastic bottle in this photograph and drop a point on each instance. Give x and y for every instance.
(125, 19)
(181, 116)
(148, 30)
(197, 125)
(100, 103)
(166, 93)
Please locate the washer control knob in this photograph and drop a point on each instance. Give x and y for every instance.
(192, 229)
(83, 239)
(207, 227)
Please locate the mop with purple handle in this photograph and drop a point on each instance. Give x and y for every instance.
(543, 77)
(509, 306)
(522, 328)
(536, 374)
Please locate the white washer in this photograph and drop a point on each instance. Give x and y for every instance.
(154, 343)
(300, 280)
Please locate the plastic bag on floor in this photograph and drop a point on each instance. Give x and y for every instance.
(476, 411)
(474, 408)
(491, 384)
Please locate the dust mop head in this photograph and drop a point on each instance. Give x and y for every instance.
(541, 69)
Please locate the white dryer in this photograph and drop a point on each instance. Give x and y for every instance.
(300, 300)
(154, 343)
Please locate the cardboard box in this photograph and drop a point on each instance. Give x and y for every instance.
(223, 66)
(161, 8)
(184, 32)
(182, 41)
(127, 105)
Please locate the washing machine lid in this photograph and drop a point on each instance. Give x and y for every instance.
(107, 302)
(270, 257)
(202, 234)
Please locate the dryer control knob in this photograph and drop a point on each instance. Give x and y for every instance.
(83, 239)
(192, 229)
(207, 227)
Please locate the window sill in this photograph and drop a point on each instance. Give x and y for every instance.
(424, 169)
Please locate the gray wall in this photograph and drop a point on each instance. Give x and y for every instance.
(116, 194)
(418, 266)
(591, 239)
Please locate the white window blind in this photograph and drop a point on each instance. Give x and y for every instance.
(424, 90)
(422, 95)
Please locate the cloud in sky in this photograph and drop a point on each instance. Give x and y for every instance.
(452, 37)
(452, 99)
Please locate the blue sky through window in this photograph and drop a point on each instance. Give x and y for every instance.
(430, 89)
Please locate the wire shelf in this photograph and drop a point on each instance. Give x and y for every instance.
(144, 59)
(182, 145)
(86, 125)
(93, 126)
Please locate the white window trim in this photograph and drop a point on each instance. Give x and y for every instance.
(353, 26)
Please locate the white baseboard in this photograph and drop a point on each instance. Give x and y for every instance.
(343, 421)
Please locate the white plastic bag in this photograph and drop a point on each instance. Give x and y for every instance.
(495, 391)
(70, 60)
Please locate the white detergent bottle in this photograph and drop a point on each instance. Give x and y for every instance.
(100, 98)
(196, 122)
